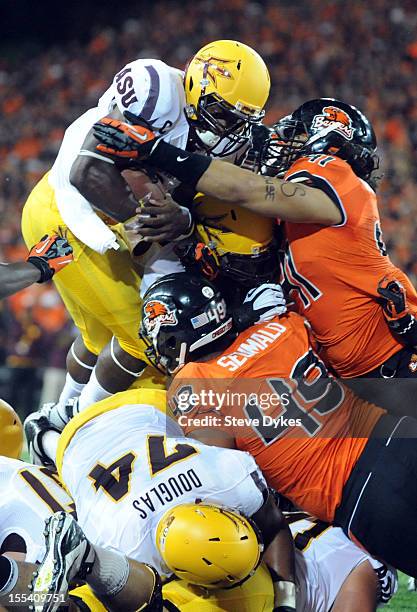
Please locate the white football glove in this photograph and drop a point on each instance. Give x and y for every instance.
(261, 304)
(267, 301)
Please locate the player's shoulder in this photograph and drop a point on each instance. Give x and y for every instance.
(192, 369)
(323, 170)
(149, 67)
(337, 180)
(152, 89)
(9, 467)
(319, 163)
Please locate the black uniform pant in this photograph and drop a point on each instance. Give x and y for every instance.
(379, 503)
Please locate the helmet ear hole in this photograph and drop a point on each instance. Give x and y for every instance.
(191, 83)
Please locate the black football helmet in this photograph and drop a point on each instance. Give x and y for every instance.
(321, 126)
(182, 314)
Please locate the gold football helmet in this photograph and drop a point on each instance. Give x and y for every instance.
(11, 432)
(208, 545)
(242, 241)
(226, 88)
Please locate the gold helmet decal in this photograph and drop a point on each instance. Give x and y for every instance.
(213, 67)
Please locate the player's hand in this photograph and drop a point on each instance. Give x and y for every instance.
(267, 301)
(261, 304)
(162, 219)
(50, 255)
(122, 140)
(394, 297)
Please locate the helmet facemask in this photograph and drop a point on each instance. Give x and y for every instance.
(285, 145)
(218, 125)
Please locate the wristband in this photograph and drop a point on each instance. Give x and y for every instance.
(46, 271)
(286, 593)
(186, 167)
(190, 229)
(405, 329)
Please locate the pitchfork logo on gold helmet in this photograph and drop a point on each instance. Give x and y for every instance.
(336, 119)
(226, 87)
(214, 67)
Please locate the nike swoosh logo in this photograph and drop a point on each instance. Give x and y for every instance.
(42, 247)
(181, 159)
(144, 137)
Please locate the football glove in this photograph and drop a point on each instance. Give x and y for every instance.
(50, 255)
(120, 140)
(198, 258)
(394, 298)
(261, 304)
(400, 320)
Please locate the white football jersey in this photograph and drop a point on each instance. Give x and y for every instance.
(125, 468)
(324, 559)
(29, 495)
(147, 87)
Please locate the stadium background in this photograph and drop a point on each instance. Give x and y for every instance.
(57, 58)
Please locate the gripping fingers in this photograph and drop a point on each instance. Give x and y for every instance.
(116, 152)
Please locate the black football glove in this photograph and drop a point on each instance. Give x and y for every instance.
(125, 141)
(400, 320)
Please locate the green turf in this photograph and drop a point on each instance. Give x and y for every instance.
(404, 600)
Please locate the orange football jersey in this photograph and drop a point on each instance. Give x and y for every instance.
(333, 272)
(272, 393)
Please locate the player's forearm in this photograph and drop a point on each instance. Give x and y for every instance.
(136, 593)
(280, 552)
(280, 558)
(359, 591)
(270, 197)
(267, 196)
(17, 276)
(104, 187)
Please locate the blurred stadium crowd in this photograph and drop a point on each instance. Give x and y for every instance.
(364, 53)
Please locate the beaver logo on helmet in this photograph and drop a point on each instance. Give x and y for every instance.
(156, 314)
(335, 117)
